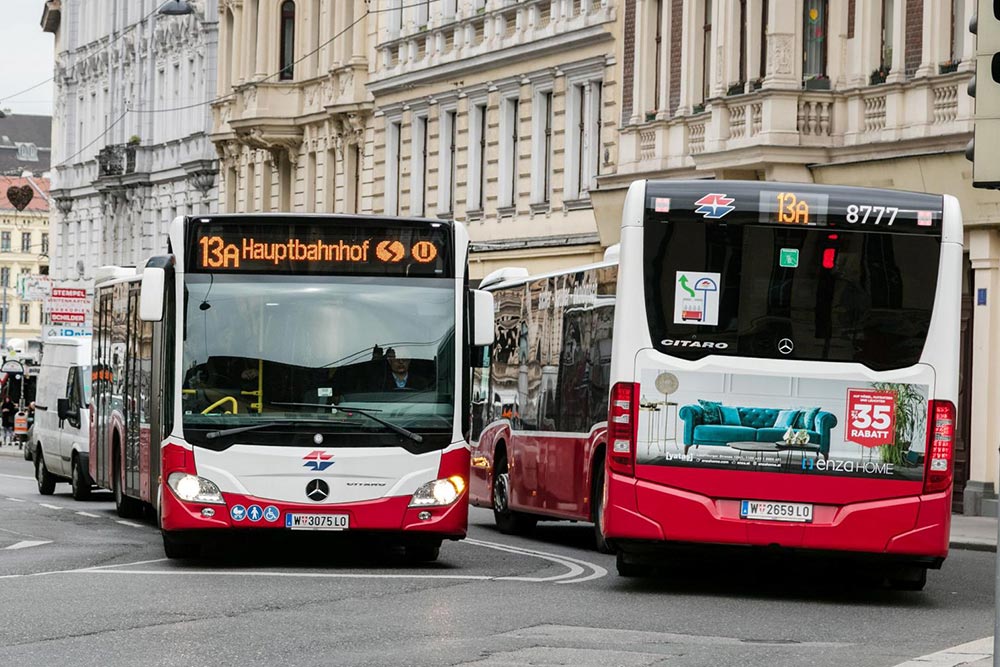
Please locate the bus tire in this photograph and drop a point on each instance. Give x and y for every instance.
(127, 508)
(46, 480)
(176, 548)
(597, 510)
(507, 520)
(79, 480)
(627, 567)
(422, 552)
(908, 578)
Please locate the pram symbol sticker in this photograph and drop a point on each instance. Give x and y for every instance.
(696, 298)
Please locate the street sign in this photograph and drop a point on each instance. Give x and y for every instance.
(34, 288)
(57, 331)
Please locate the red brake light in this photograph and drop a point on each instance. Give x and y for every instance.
(829, 258)
(939, 456)
(623, 413)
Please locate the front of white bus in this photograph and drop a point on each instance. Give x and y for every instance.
(317, 379)
(785, 360)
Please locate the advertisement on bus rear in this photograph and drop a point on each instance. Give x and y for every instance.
(797, 425)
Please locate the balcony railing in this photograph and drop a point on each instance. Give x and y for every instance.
(116, 160)
(816, 120)
(500, 24)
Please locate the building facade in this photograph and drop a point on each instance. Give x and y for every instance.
(845, 92)
(24, 250)
(294, 130)
(130, 131)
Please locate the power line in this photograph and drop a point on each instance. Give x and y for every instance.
(96, 139)
(27, 90)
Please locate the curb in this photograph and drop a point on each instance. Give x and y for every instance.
(13, 452)
(973, 546)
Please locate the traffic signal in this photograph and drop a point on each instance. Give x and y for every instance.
(985, 88)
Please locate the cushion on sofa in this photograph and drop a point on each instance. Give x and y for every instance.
(758, 417)
(710, 411)
(786, 418)
(730, 415)
(806, 419)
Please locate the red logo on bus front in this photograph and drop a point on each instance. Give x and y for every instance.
(871, 417)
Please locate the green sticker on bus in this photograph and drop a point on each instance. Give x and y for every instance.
(789, 258)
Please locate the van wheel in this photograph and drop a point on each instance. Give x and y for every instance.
(80, 480)
(175, 548)
(127, 508)
(597, 511)
(507, 520)
(46, 481)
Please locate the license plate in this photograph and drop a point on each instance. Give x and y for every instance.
(317, 521)
(772, 511)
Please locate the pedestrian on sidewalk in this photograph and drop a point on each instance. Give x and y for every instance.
(8, 410)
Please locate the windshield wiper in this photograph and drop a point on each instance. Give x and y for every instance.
(212, 435)
(415, 437)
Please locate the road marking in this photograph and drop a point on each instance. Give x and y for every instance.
(92, 516)
(16, 500)
(128, 523)
(17, 476)
(962, 654)
(24, 544)
(574, 564)
(52, 507)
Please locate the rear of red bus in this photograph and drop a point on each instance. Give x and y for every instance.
(785, 372)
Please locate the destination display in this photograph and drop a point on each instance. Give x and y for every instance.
(319, 246)
(794, 205)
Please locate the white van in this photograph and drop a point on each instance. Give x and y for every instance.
(61, 437)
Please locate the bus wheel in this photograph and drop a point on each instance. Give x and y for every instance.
(423, 552)
(175, 548)
(46, 482)
(627, 567)
(79, 480)
(508, 521)
(912, 578)
(127, 508)
(597, 511)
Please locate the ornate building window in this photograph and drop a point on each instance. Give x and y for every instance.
(814, 40)
(287, 55)
(706, 52)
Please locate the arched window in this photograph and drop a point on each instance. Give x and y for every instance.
(287, 55)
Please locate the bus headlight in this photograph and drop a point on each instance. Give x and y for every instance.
(194, 489)
(438, 493)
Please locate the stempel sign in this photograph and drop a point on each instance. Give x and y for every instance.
(871, 417)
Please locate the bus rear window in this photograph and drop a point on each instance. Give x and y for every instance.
(802, 293)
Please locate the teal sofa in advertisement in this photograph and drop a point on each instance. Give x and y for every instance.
(756, 425)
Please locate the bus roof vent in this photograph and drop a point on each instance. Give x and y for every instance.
(503, 275)
(613, 252)
(105, 273)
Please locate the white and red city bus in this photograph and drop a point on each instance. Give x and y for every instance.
(783, 372)
(290, 372)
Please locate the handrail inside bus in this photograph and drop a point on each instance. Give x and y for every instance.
(224, 399)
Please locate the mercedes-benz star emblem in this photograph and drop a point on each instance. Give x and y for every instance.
(317, 490)
(785, 346)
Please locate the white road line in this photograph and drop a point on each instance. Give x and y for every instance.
(52, 507)
(308, 575)
(24, 544)
(963, 654)
(16, 500)
(568, 561)
(32, 479)
(105, 567)
(128, 523)
(92, 516)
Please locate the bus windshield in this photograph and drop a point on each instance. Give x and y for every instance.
(270, 348)
(808, 293)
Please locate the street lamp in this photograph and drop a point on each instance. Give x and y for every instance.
(175, 8)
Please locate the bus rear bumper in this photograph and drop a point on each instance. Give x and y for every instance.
(640, 512)
(382, 515)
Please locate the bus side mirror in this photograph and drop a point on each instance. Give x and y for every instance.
(151, 295)
(482, 318)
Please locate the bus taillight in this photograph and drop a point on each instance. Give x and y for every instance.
(622, 416)
(940, 447)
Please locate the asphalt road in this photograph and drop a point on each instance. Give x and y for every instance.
(78, 586)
